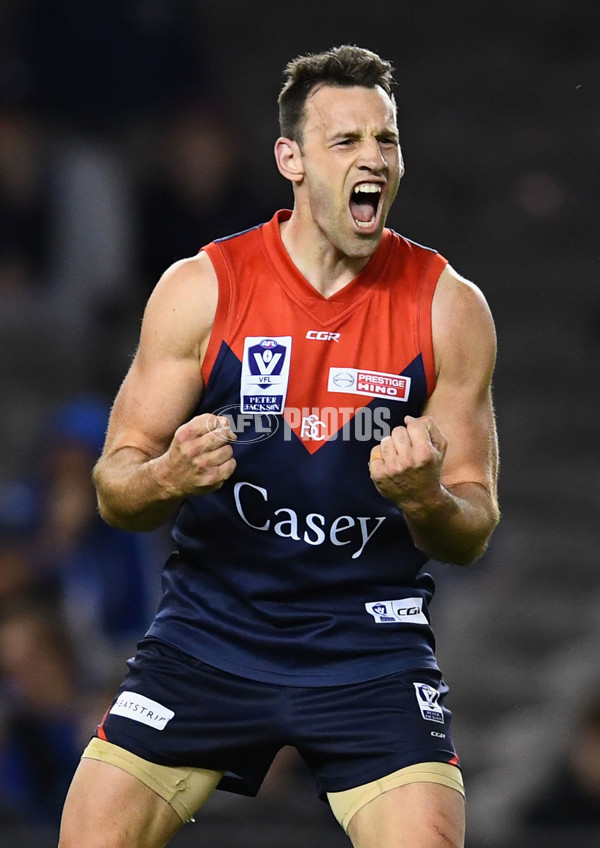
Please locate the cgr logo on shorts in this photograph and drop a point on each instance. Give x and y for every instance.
(427, 699)
(139, 708)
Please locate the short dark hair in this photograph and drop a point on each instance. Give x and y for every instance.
(344, 66)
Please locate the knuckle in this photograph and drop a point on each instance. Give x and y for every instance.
(180, 435)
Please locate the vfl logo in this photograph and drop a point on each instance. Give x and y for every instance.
(265, 374)
(266, 361)
(427, 699)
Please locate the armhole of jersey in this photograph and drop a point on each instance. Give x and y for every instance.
(427, 287)
(224, 300)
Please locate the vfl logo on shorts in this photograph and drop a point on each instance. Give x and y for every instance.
(145, 710)
(265, 374)
(427, 699)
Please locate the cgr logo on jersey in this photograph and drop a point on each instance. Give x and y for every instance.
(322, 336)
(403, 611)
(427, 699)
(265, 374)
(355, 381)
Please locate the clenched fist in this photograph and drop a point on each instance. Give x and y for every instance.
(200, 456)
(406, 466)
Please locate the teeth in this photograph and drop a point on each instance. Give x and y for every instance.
(368, 188)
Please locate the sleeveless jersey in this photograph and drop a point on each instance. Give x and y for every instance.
(297, 570)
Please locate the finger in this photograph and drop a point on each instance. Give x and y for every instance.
(399, 447)
(219, 455)
(376, 454)
(214, 477)
(207, 423)
(386, 457)
(424, 432)
(223, 429)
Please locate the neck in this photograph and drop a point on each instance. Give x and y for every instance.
(325, 267)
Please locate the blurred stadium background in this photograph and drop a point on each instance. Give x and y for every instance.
(134, 131)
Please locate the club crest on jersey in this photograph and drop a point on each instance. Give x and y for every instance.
(265, 374)
(355, 381)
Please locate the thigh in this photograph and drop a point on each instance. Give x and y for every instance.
(184, 788)
(352, 735)
(428, 815)
(106, 807)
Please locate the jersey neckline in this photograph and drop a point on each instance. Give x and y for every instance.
(303, 292)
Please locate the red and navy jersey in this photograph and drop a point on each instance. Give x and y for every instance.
(297, 571)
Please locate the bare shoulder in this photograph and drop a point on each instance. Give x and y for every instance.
(181, 310)
(464, 337)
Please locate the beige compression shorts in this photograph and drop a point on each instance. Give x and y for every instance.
(345, 804)
(186, 789)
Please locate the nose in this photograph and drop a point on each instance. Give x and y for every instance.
(372, 156)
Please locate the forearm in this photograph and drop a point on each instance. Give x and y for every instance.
(132, 491)
(455, 524)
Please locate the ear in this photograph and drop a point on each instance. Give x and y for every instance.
(289, 159)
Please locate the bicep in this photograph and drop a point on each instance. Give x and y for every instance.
(164, 384)
(154, 399)
(461, 402)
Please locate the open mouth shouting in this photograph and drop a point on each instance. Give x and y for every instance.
(364, 205)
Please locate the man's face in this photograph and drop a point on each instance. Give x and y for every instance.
(352, 165)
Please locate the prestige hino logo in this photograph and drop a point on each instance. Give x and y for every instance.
(357, 381)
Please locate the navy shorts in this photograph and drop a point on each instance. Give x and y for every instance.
(175, 710)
